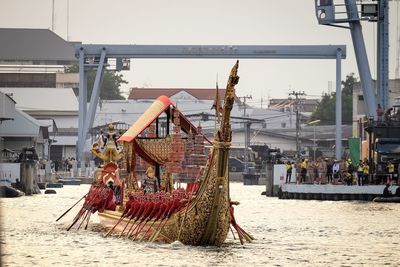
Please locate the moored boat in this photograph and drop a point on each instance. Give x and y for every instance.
(153, 210)
(387, 199)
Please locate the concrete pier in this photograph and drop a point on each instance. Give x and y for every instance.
(331, 192)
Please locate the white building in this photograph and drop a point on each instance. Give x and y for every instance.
(19, 130)
(196, 104)
(57, 108)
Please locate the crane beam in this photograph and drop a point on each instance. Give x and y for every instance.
(214, 51)
(96, 55)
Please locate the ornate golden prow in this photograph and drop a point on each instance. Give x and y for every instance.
(206, 219)
(224, 134)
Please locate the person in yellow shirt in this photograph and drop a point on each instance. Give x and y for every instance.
(289, 168)
(390, 170)
(365, 172)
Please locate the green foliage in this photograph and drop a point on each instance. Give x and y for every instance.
(110, 88)
(325, 110)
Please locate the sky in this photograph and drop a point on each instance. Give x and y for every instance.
(208, 22)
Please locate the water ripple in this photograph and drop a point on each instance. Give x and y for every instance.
(287, 232)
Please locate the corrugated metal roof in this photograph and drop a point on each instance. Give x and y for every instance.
(35, 46)
(23, 125)
(129, 111)
(7, 107)
(43, 99)
(153, 93)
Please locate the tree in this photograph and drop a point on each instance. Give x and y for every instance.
(325, 110)
(110, 88)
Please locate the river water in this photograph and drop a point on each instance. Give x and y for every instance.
(287, 232)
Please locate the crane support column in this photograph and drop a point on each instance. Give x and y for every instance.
(88, 122)
(383, 54)
(82, 102)
(361, 57)
(338, 141)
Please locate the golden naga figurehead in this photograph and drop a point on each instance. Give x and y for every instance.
(224, 134)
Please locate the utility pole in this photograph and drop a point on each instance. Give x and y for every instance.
(296, 108)
(246, 135)
(244, 103)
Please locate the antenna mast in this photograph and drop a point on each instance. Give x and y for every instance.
(52, 16)
(397, 71)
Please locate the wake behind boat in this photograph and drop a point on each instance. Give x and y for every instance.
(153, 209)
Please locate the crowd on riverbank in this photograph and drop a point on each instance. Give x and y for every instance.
(344, 171)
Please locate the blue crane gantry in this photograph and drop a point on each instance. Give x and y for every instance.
(329, 13)
(97, 55)
(332, 13)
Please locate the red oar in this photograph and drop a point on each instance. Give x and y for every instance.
(160, 212)
(120, 220)
(174, 207)
(70, 208)
(147, 216)
(76, 219)
(84, 218)
(91, 195)
(163, 217)
(126, 226)
(87, 221)
(124, 214)
(148, 207)
(134, 207)
(137, 216)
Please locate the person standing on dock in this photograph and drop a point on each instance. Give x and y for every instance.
(360, 173)
(315, 171)
(350, 171)
(379, 113)
(335, 171)
(329, 170)
(298, 171)
(365, 172)
(388, 116)
(310, 171)
(342, 170)
(289, 168)
(322, 167)
(390, 170)
(303, 171)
